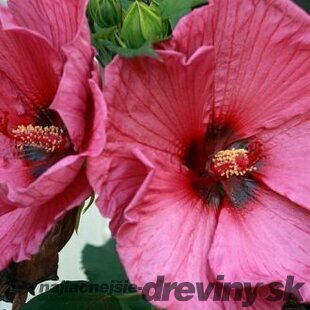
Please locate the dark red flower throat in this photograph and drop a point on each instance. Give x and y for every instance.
(223, 168)
(40, 143)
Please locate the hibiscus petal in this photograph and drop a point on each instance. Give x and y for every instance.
(262, 59)
(165, 229)
(50, 184)
(38, 15)
(266, 241)
(73, 93)
(12, 168)
(115, 196)
(163, 108)
(23, 230)
(285, 169)
(30, 64)
(95, 135)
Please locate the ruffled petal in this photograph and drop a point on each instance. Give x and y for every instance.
(159, 104)
(31, 65)
(73, 94)
(164, 229)
(285, 168)
(121, 177)
(266, 241)
(95, 135)
(56, 180)
(23, 230)
(56, 20)
(262, 59)
(13, 170)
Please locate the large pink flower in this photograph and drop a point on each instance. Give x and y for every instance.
(206, 170)
(50, 106)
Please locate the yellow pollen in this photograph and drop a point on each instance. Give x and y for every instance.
(232, 162)
(49, 138)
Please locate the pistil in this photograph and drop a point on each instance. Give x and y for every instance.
(232, 162)
(49, 138)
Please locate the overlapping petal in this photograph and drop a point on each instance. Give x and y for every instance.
(114, 195)
(265, 242)
(285, 168)
(262, 59)
(73, 92)
(47, 62)
(161, 111)
(58, 21)
(35, 81)
(260, 53)
(164, 228)
(23, 230)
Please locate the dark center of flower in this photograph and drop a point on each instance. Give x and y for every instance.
(41, 143)
(223, 170)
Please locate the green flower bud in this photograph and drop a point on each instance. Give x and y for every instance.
(141, 24)
(105, 13)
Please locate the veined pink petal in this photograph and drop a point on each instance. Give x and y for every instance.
(115, 196)
(46, 64)
(266, 241)
(164, 229)
(95, 136)
(14, 103)
(49, 185)
(262, 59)
(12, 168)
(31, 65)
(22, 191)
(285, 168)
(163, 107)
(73, 92)
(23, 230)
(57, 20)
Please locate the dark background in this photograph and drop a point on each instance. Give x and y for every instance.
(305, 4)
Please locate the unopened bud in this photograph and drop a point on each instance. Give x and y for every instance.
(105, 13)
(141, 24)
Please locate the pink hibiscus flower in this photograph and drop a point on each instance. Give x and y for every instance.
(206, 167)
(50, 106)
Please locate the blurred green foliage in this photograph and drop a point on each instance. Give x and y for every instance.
(102, 265)
(104, 272)
(305, 4)
(131, 27)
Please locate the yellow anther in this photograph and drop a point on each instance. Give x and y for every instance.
(232, 162)
(49, 138)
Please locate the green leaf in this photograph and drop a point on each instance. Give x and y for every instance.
(82, 210)
(77, 295)
(125, 3)
(136, 302)
(101, 264)
(196, 3)
(89, 202)
(173, 10)
(305, 4)
(145, 50)
(104, 33)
